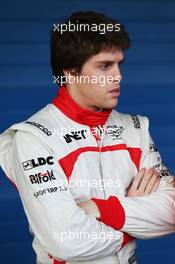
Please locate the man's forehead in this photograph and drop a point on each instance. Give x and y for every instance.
(108, 55)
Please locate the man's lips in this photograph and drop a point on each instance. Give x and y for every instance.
(115, 91)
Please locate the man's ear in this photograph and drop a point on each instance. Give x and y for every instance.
(69, 72)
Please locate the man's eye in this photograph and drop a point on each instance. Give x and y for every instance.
(105, 67)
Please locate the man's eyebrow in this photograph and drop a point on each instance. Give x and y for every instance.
(108, 61)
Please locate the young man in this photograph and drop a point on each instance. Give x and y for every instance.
(90, 179)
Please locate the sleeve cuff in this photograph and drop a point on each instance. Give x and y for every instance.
(111, 212)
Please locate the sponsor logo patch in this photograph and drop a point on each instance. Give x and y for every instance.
(41, 127)
(153, 148)
(136, 121)
(45, 191)
(39, 178)
(115, 131)
(132, 259)
(75, 135)
(164, 173)
(33, 163)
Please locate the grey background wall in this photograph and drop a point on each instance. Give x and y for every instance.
(26, 85)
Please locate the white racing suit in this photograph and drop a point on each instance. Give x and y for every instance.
(64, 155)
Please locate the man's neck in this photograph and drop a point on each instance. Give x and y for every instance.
(80, 102)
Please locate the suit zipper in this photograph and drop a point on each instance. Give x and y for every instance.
(100, 144)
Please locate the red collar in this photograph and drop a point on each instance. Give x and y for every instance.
(65, 103)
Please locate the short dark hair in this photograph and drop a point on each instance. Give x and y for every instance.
(71, 49)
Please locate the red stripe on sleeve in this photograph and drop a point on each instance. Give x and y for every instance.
(111, 212)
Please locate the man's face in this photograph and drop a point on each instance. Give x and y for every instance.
(98, 83)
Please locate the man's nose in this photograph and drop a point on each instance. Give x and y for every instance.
(117, 74)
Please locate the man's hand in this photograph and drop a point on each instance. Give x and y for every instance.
(90, 208)
(144, 183)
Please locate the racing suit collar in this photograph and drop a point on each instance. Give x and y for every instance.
(65, 103)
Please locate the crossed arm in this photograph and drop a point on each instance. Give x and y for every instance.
(143, 216)
(146, 182)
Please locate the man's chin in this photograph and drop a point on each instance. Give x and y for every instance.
(110, 105)
(113, 104)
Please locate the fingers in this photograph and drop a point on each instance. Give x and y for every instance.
(137, 180)
(153, 183)
(148, 181)
(133, 189)
(144, 183)
(156, 185)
